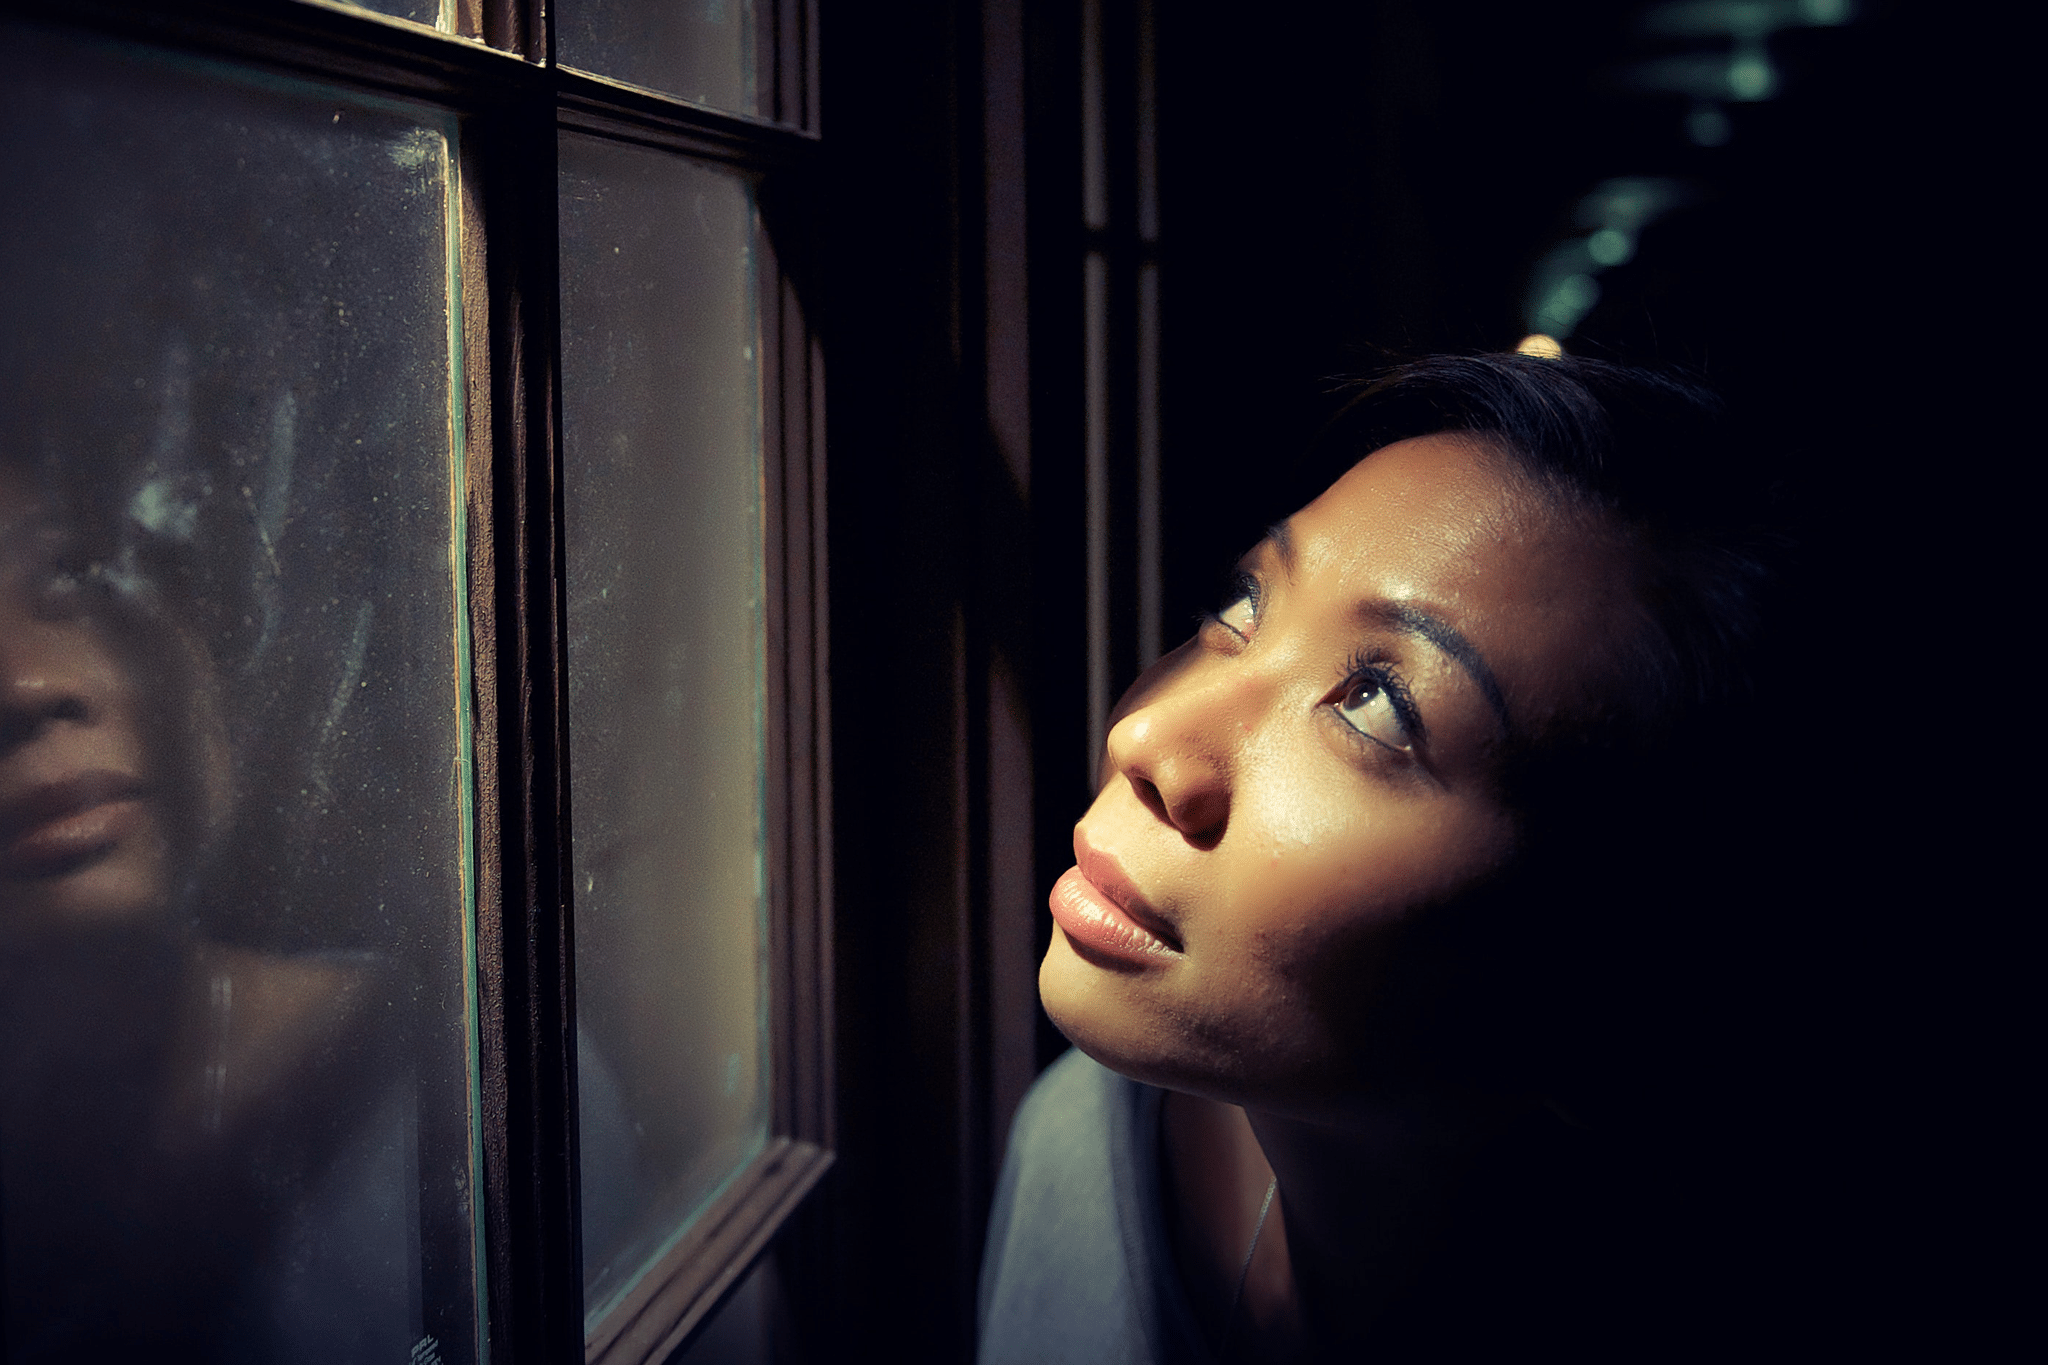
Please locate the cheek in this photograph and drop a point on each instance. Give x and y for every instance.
(1323, 873)
(1310, 985)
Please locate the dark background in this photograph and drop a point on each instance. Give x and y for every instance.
(1343, 184)
(1847, 283)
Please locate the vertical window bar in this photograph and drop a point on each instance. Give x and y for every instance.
(1151, 589)
(1148, 129)
(1095, 287)
(524, 955)
(479, 553)
(518, 26)
(1094, 129)
(440, 1287)
(813, 117)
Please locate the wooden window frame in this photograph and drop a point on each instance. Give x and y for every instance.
(498, 78)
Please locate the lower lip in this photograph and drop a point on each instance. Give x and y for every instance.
(69, 842)
(1093, 921)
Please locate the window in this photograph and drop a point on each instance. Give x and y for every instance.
(411, 516)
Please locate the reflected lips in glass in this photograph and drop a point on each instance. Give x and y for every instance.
(1104, 914)
(63, 826)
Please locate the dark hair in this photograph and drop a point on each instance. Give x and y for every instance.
(1654, 452)
(1580, 946)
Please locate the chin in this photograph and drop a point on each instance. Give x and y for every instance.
(1127, 1021)
(1094, 1007)
(117, 892)
(1292, 1066)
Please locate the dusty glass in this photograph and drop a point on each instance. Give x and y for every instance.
(236, 1014)
(661, 426)
(703, 51)
(426, 12)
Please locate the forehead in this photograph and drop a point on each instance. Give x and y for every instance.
(23, 506)
(1433, 505)
(18, 515)
(1448, 524)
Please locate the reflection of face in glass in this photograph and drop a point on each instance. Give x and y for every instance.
(83, 834)
(1321, 765)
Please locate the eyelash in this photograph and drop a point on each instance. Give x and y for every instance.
(1237, 587)
(1362, 667)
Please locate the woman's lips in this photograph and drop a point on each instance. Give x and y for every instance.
(1103, 912)
(62, 826)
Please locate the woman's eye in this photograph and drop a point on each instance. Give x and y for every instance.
(1370, 709)
(45, 574)
(59, 595)
(1241, 615)
(59, 585)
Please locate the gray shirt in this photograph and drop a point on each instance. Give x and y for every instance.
(1078, 1266)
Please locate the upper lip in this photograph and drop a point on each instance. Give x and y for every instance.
(56, 800)
(1108, 877)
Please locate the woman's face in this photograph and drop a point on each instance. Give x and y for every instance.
(82, 828)
(1286, 791)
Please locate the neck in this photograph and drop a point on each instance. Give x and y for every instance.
(1362, 1204)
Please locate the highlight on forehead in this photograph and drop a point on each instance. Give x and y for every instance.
(1281, 534)
(1646, 461)
(1410, 619)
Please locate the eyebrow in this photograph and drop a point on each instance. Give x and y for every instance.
(1412, 620)
(1415, 621)
(1281, 533)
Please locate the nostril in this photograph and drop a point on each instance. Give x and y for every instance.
(1149, 795)
(16, 729)
(1201, 818)
(23, 717)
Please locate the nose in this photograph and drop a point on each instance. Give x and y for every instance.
(1177, 748)
(45, 678)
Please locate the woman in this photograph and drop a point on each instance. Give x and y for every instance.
(1366, 854)
(205, 1149)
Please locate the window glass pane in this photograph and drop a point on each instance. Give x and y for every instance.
(426, 12)
(662, 486)
(699, 50)
(235, 1057)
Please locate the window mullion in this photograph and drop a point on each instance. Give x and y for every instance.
(525, 934)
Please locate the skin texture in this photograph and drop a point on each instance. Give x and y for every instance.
(72, 733)
(86, 826)
(158, 1088)
(1283, 830)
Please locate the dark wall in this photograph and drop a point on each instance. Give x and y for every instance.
(901, 543)
(936, 505)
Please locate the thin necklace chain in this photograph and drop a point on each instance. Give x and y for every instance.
(1244, 1271)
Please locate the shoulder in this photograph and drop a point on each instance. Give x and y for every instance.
(1070, 1111)
(270, 1039)
(1057, 1282)
(1070, 1139)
